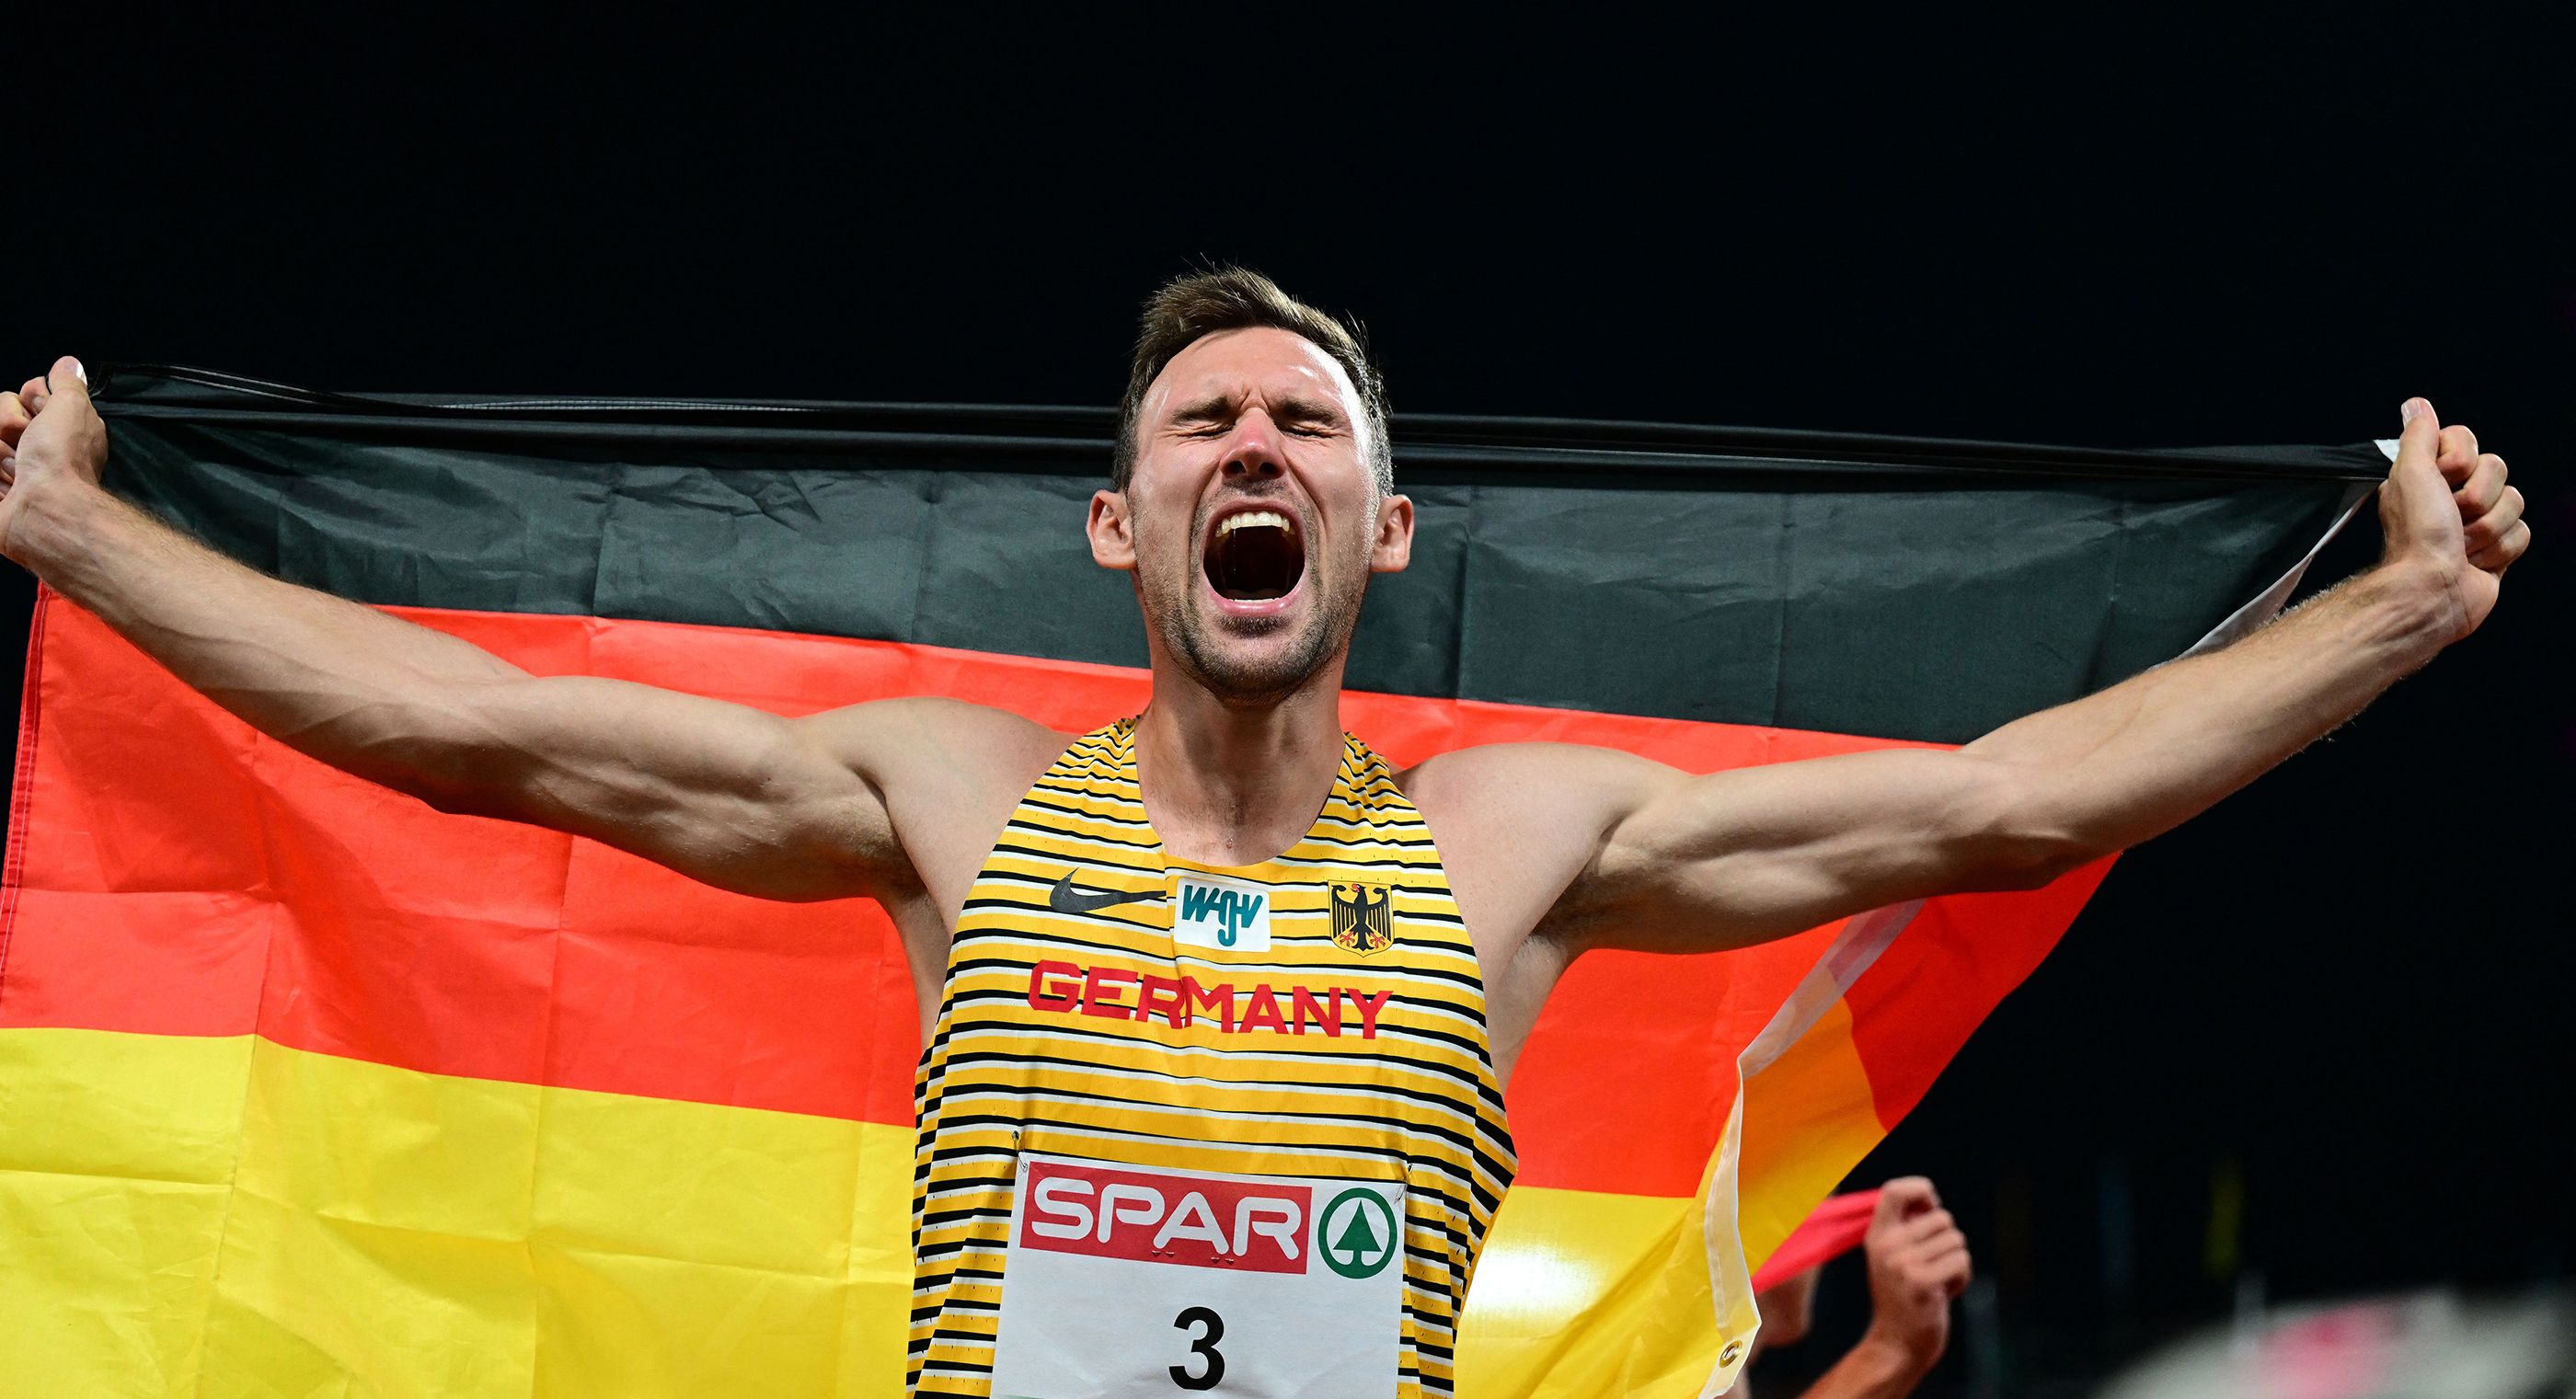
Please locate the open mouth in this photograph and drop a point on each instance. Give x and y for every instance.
(1255, 555)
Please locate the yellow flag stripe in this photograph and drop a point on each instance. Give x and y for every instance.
(224, 1215)
(1581, 1294)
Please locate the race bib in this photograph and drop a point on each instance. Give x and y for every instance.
(1123, 1281)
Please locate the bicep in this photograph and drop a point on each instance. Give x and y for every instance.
(725, 793)
(1734, 858)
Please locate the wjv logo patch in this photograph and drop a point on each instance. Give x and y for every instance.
(1229, 915)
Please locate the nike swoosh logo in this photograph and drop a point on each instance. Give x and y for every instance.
(1064, 898)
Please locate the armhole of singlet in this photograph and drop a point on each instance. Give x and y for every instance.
(1011, 813)
(1063, 765)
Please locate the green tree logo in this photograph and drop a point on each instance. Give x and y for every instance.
(1357, 1233)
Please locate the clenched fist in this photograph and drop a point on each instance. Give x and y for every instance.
(50, 437)
(2449, 518)
(1918, 1262)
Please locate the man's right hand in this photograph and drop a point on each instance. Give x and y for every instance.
(50, 436)
(896, 800)
(1918, 1262)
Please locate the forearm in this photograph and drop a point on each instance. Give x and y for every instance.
(341, 681)
(2116, 768)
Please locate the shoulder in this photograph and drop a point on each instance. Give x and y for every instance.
(1517, 824)
(945, 773)
(898, 741)
(1565, 778)
(931, 717)
(1511, 812)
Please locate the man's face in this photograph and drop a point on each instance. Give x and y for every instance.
(1252, 518)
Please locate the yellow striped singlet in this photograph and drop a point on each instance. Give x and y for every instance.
(1171, 1113)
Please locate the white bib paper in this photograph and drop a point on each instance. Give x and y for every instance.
(1124, 1281)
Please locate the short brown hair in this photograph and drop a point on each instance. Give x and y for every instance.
(1187, 309)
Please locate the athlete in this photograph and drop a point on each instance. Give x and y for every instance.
(1216, 986)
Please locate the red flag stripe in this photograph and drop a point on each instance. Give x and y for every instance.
(183, 875)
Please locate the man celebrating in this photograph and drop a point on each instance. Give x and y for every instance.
(1201, 986)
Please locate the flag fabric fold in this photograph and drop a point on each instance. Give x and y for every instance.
(1832, 1229)
(307, 1088)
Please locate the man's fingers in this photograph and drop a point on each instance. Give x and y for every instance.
(1949, 1254)
(1920, 1250)
(2481, 488)
(65, 378)
(2499, 556)
(1926, 1226)
(2494, 522)
(1951, 1271)
(1943, 1277)
(2457, 454)
(1901, 1199)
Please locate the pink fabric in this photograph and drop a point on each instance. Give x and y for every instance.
(1834, 1229)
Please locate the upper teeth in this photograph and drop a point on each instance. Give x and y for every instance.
(1251, 518)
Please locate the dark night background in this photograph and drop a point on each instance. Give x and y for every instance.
(2346, 989)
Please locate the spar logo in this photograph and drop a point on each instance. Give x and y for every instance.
(1356, 1233)
(1246, 1223)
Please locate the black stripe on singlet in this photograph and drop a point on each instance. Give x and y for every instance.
(1464, 1141)
(1081, 815)
(1058, 857)
(1085, 837)
(1419, 1095)
(1312, 839)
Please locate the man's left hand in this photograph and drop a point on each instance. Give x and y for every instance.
(1918, 1262)
(2449, 518)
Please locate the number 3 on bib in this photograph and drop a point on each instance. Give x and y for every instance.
(1205, 1345)
(1275, 1285)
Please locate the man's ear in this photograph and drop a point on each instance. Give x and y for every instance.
(1393, 548)
(1113, 541)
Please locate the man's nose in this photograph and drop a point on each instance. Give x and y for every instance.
(1254, 452)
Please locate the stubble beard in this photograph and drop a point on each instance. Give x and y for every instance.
(1194, 636)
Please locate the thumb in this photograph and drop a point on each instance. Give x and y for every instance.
(2421, 438)
(2416, 497)
(67, 378)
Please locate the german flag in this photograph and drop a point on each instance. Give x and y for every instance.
(305, 1088)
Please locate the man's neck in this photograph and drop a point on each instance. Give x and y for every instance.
(1228, 784)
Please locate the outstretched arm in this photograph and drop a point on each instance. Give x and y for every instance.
(1679, 862)
(735, 796)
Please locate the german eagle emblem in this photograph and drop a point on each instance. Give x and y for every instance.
(1363, 916)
